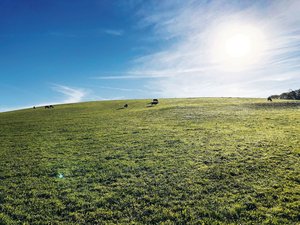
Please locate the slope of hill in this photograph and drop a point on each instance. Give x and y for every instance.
(183, 161)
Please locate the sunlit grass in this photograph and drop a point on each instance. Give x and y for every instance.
(184, 161)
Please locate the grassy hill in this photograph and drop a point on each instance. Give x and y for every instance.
(184, 161)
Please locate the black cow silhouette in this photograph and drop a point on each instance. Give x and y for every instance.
(270, 99)
(154, 102)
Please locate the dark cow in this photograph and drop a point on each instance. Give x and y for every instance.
(269, 99)
(49, 107)
(154, 102)
(34, 107)
(125, 106)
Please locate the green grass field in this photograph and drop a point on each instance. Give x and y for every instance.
(184, 161)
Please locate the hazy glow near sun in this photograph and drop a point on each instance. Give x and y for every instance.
(237, 46)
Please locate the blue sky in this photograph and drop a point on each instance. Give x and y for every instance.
(60, 51)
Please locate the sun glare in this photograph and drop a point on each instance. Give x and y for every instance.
(237, 46)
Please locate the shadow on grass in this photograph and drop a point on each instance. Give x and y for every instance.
(276, 105)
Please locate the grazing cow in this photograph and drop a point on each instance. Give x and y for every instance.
(126, 105)
(49, 107)
(154, 102)
(269, 99)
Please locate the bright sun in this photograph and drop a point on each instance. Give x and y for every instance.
(236, 47)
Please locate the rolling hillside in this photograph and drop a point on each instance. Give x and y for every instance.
(183, 161)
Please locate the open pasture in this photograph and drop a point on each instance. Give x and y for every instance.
(183, 161)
